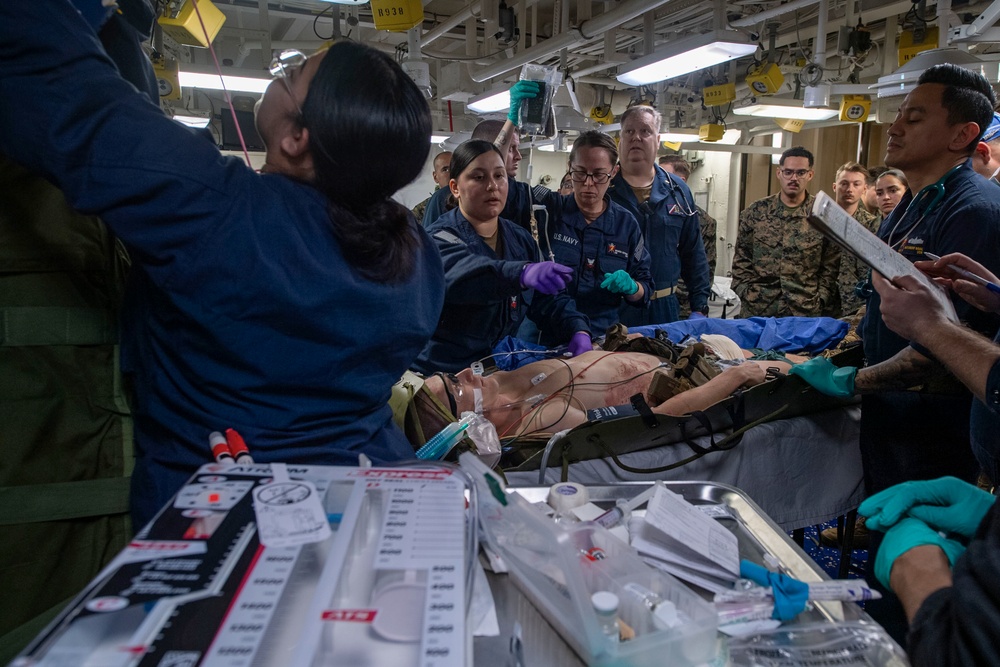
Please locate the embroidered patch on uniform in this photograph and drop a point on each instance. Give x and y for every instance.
(675, 210)
(590, 263)
(613, 250)
(447, 237)
(563, 238)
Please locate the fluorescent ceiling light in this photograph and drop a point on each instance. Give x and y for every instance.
(904, 79)
(439, 138)
(241, 84)
(193, 121)
(687, 55)
(491, 101)
(678, 137)
(785, 111)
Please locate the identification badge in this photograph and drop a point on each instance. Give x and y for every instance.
(289, 512)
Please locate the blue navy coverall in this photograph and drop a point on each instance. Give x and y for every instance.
(611, 242)
(911, 435)
(517, 209)
(243, 311)
(483, 295)
(669, 223)
(984, 425)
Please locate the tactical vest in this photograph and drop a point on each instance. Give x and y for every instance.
(65, 428)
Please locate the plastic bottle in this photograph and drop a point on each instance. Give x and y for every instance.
(605, 605)
(664, 611)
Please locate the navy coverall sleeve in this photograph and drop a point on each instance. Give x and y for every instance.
(959, 625)
(558, 313)
(993, 389)
(62, 93)
(639, 261)
(471, 277)
(694, 262)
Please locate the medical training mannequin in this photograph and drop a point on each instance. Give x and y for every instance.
(488, 261)
(555, 394)
(282, 304)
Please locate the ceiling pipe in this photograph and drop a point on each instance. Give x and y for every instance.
(586, 31)
(754, 19)
(455, 20)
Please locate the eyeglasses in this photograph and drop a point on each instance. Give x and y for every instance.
(799, 173)
(282, 65)
(599, 178)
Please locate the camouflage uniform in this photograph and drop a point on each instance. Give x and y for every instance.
(853, 270)
(708, 236)
(782, 266)
(418, 210)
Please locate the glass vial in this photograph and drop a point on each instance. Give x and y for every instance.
(605, 605)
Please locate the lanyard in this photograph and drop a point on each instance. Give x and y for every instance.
(935, 192)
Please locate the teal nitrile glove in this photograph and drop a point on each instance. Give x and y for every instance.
(826, 378)
(620, 282)
(905, 535)
(947, 504)
(522, 90)
(790, 595)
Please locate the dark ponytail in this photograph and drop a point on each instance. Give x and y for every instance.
(370, 133)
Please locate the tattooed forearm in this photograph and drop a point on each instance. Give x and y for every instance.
(907, 369)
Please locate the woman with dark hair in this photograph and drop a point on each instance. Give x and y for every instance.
(890, 187)
(600, 240)
(283, 304)
(488, 261)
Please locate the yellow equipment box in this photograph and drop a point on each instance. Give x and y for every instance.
(397, 15)
(908, 48)
(718, 95)
(167, 78)
(711, 132)
(766, 79)
(185, 28)
(855, 108)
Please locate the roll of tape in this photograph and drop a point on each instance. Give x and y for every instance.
(567, 495)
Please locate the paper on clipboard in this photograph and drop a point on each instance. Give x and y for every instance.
(837, 224)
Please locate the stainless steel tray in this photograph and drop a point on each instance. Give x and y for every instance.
(755, 532)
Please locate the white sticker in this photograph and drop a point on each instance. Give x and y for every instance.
(289, 513)
(538, 378)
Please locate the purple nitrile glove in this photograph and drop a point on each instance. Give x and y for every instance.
(580, 343)
(695, 315)
(546, 277)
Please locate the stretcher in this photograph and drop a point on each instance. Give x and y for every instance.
(792, 449)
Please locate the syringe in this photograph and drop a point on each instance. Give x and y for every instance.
(620, 512)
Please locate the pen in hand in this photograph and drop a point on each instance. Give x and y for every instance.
(968, 275)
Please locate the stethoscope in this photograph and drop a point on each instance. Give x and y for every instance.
(681, 202)
(930, 196)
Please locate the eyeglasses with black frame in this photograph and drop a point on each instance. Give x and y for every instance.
(799, 173)
(599, 178)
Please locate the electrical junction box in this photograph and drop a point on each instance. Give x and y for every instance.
(711, 131)
(718, 95)
(766, 79)
(909, 47)
(855, 108)
(602, 114)
(397, 15)
(184, 27)
(167, 78)
(790, 124)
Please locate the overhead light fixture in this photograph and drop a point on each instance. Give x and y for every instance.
(439, 138)
(208, 81)
(774, 109)
(490, 101)
(679, 137)
(904, 79)
(687, 55)
(193, 121)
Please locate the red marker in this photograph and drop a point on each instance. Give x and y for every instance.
(237, 447)
(220, 448)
